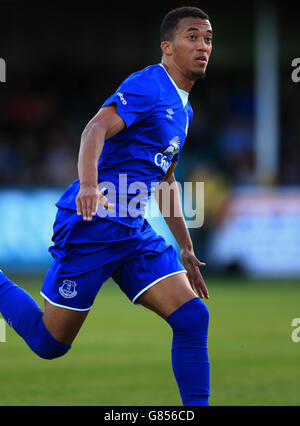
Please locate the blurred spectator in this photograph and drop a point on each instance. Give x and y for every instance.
(31, 110)
(9, 160)
(60, 165)
(235, 146)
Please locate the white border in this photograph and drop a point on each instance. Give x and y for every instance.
(65, 307)
(157, 281)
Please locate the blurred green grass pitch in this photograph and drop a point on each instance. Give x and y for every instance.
(122, 354)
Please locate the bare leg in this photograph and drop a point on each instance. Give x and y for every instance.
(63, 324)
(168, 295)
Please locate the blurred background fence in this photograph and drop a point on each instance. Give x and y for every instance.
(64, 59)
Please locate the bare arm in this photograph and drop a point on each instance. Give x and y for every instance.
(172, 213)
(176, 222)
(104, 125)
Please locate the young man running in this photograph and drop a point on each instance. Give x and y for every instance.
(134, 140)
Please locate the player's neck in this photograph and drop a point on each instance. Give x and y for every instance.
(182, 82)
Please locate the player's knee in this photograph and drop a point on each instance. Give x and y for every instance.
(202, 314)
(49, 353)
(43, 344)
(191, 318)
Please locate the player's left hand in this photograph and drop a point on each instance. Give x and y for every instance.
(192, 265)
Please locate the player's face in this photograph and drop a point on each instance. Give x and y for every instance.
(192, 46)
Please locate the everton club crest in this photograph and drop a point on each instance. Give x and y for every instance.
(67, 290)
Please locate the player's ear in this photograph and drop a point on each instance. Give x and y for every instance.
(166, 47)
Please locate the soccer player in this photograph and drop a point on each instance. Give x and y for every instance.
(133, 141)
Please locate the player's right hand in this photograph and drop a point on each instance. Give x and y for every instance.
(87, 201)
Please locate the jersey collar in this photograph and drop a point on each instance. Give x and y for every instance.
(184, 96)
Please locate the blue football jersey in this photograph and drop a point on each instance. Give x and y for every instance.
(157, 115)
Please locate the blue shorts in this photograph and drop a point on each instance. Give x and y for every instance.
(86, 254)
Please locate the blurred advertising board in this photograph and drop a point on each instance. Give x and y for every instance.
(26, 225)
(259, 232)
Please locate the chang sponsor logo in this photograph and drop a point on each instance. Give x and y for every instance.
(173, 148)
(164, 159)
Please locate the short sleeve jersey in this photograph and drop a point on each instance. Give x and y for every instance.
(157, 116)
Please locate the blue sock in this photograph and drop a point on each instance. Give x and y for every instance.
(24, 315)
(189, 352)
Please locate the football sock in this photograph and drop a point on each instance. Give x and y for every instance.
(189, 352)
(24, 315)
